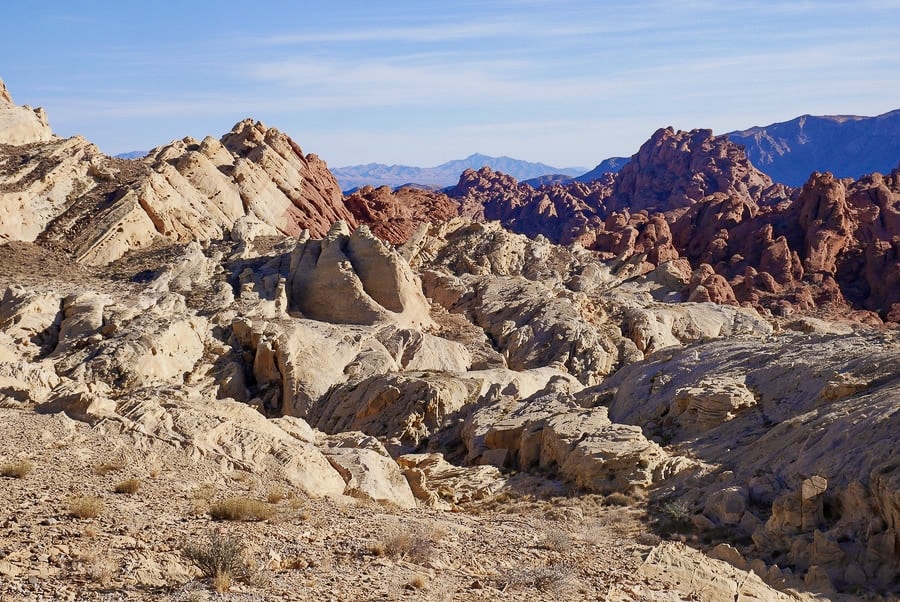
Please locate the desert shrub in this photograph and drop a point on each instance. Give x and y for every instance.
(408, 545)
(555, 540)
(220, 558)
(241, 508)
(96, 568)
(618, 499)
(128, 486)
(674, 518)
(275, 495)
(16, 470)
(113, 465)
(85, 506)
(552, 577)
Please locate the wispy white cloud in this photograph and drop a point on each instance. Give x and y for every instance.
(446, 32)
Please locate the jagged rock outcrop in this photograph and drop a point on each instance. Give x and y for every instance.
(664, 362)
(674, 170)
(711, 578)
(234, 433)
(98, 208)
(21, 125)
(548, 431)
(439, 484)
(408, 408)
(367, 469)
(564, 214)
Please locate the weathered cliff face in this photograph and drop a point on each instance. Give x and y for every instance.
(525, 356)
(829, 246)
(792, 429)
(564, 214)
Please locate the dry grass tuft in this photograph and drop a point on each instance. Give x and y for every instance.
(85, 506)
(618, 499)
(222, 583)
(550, 578)
(244, 478)
(128, 486)
(16, 470)
(413, 546)
(275, 495)
(241, 508)
(113, 465)
(377, 548)
(205, 492)
(417, 582)
(97, 568)
(294, 563)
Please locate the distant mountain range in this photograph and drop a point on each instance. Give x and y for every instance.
(445, 174)
(132, 155)
(845, 145)
(788, 152)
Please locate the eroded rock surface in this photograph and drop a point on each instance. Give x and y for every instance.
(215, 303)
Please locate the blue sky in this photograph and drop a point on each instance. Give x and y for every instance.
(419, 83)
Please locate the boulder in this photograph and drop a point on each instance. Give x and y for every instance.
(367, 469)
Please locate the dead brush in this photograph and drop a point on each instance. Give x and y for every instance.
(242, 509)
(16, 470)
(85, 506)
(553, 577)
(275, 495)
(556, 540)
(619, 499)
(96, 568)
(111, 465)
(417, 582)
(128, 486)
(219, 557)
(414, 546)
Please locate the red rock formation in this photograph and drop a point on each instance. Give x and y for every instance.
(674, 170)
(824, 219)
(696, 196)
(564, 214)
(706, 285)
(394, 215)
